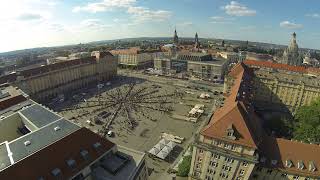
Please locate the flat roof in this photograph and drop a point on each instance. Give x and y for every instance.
(39, 115)
(4, 158)
(40, 138)
(127, 171)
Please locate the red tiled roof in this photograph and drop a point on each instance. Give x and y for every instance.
(41, 163)
(235, 113)
(273, 65)
(282, 150)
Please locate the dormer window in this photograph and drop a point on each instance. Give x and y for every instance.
(231, 133)
(289, 163)
(300, 165)
(312, 166)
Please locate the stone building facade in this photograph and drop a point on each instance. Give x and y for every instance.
(283, 88)
(135, 57)
(51, 80)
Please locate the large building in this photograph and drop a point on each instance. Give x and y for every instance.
(200, 65)
(51, 80)
(284, 88)
(291, 55)
(135, 57)
(234, 145)
(37, 143)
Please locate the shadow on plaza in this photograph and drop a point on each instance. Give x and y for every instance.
(90, 91)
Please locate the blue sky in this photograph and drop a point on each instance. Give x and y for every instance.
(34, 23)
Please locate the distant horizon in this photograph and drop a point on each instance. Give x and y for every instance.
(187, 37)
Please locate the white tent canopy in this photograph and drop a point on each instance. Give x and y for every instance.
(159, 145)
(171, 144)
(162, 154)
(164, 141)
(167, 149)
(154, 151)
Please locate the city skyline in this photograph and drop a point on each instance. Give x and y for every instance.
(35, 23)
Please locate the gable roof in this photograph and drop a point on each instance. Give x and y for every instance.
(282, 150)
(42, 163)
(236, 112)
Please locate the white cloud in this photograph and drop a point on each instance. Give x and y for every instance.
(221, 20)
(314, 15)
(105, 5)
(290, 25)
(185, 24)
(29, 16)
(90, 25)
(237, 9)
(143, 14)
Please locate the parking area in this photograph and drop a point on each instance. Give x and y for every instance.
(81, 109)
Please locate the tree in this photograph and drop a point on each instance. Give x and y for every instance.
(184, 166)
(307, 125)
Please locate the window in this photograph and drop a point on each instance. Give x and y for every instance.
(241, 172)
(245, 163)
(216, 156)
(296, 177)
(283, 175)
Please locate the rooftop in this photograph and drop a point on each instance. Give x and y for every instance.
(10, 96)
(121, 165)
(28, 127)
(285, 67)
(63, 158)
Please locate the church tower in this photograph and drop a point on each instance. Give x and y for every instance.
(291, 55)
(175, 38)
(196, 42)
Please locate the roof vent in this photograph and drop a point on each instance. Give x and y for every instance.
(27, 143)
(56, 172)
(57, 128)
(289, 163)
(300, 165)
(312, 166)
(84, 154)
(96, 145)
(71, 163)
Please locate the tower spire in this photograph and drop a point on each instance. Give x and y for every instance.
(196, 42)
(175, 37)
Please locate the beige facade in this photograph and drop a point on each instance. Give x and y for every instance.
(135, 59)
(217, 159)
(205, 69)
(283, 91)
(60, 78)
